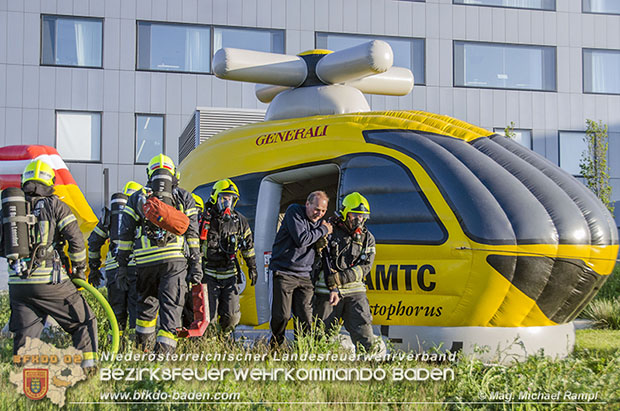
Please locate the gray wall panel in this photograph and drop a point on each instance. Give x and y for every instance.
(31, 38)
(81, 8)
(127, 45)
(613, 32)
(111, 80)
(512, 25)
(174, 11)
(126, 138)
(203, 91)
(2, 85)
(525, 110)
(15, 38)
(30, 125)
(499, 24)
(378, 17)
(364, 16)
(95, 8)
(63, 92)
(14, 85)
(112, 8)
(127, 84)
(472, 24)
(159, 10)
(562, 29)
(47, 87)
(79, 89)
(64, 6)
(458, 22)
(485, 28)
(205, 11)
(550, 28)
(143, 92)
(486, 109)
(445, 30)
(499, 107)
(173, 93)
(321, 14)
(158, 92)
(110, 140)
(391, 18)
(349, 17)
(3, 34)
(46, 133)
(111, 44)
(538, 111)
(30, 88)
(143, 9)
(13, 125)
(188, 91)
(3, 133)
(278, 14)
(190, 11)
(14, 5)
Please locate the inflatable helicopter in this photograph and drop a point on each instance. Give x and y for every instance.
(480, 241)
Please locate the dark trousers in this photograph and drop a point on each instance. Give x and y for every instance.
(223, 301)
(354, 310)
(291, 295)
(31, 303)
(161, 288)
(123, 302)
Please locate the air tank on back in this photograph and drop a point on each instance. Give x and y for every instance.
(480, 241)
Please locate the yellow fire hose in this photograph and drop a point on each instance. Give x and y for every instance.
(108, 310)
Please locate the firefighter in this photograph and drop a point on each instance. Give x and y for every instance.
(163, 269)
(122, 301)
(292, 261)
(350, 252)
(227, 231)
(39, 285)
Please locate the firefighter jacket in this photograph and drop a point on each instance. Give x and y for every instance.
(97, 239)
(55, 224)
(351, 258)
(133, 236)
(224, 239)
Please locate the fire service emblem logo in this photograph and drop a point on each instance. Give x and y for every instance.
(36, 383)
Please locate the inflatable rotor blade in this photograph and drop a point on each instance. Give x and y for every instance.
(259, 67)
(397, 81)
(265, 92)
(356, 62)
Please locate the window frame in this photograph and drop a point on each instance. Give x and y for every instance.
(560, 131)
(583, 71)
(135, 137)
(555, 6)
(382, 37)
(67, 17)
(584, 11)
(100, 161)
(555, 52)
(211, 28)
(518, 129)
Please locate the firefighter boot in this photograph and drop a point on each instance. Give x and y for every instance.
(145, 342)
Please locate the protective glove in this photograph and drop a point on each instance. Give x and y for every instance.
(320, 244)
(78, 271)
(122, 282)
(332, 280)
(253, 274)
(194, 271)
(95, 277)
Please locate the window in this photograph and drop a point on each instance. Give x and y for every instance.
(174, 47)
(492, 65)
(601, 6)
(572, 146)
(71, 41)
(522, 136)
(187, 47)
(251, 39)
(517, 4)
(408, 52)
(601, 71)
(149, 137)
(401, 213)
(78, 136)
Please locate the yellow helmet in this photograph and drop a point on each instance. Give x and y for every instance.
(225, 186)
(199, 203)
(131, 187)
(39, 171)
(160, 161)
(354, 203)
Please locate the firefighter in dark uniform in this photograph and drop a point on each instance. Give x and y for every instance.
(351, 252)
(122, 301)
(228, 232)
(163, 269)
(39, 285)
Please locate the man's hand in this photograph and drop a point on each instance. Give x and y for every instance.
(194, 271)
(320, 244)
(330, 229)
(122, 281)
(253, 274)
(95, 277)
(79, 271)
(334, 298)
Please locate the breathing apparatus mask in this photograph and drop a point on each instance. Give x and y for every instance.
(225, 205)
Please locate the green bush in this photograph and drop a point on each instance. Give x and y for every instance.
(611, 288)
(605, 312)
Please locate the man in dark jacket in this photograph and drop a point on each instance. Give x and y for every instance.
(228, 232)
(291, 263)
(44, 288)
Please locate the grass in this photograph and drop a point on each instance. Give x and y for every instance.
(594, 367)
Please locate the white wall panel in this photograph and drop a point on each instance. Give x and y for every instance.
(189, 11)
(30, 87)
(79, 89)
(15, 38)
(112, 8)
(46, 134)
(31, 55)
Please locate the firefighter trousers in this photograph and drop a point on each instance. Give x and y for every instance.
(223, 301)
(291, 295)
(123, 302)
(31, 303)
(354, 310)
(161, 289)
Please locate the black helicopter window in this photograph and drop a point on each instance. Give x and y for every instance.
(400, 212)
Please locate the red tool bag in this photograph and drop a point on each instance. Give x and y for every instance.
(200, 304)
(165, 216)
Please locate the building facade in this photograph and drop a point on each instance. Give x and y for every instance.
(110, 83)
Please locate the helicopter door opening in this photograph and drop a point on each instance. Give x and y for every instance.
(278, 191)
